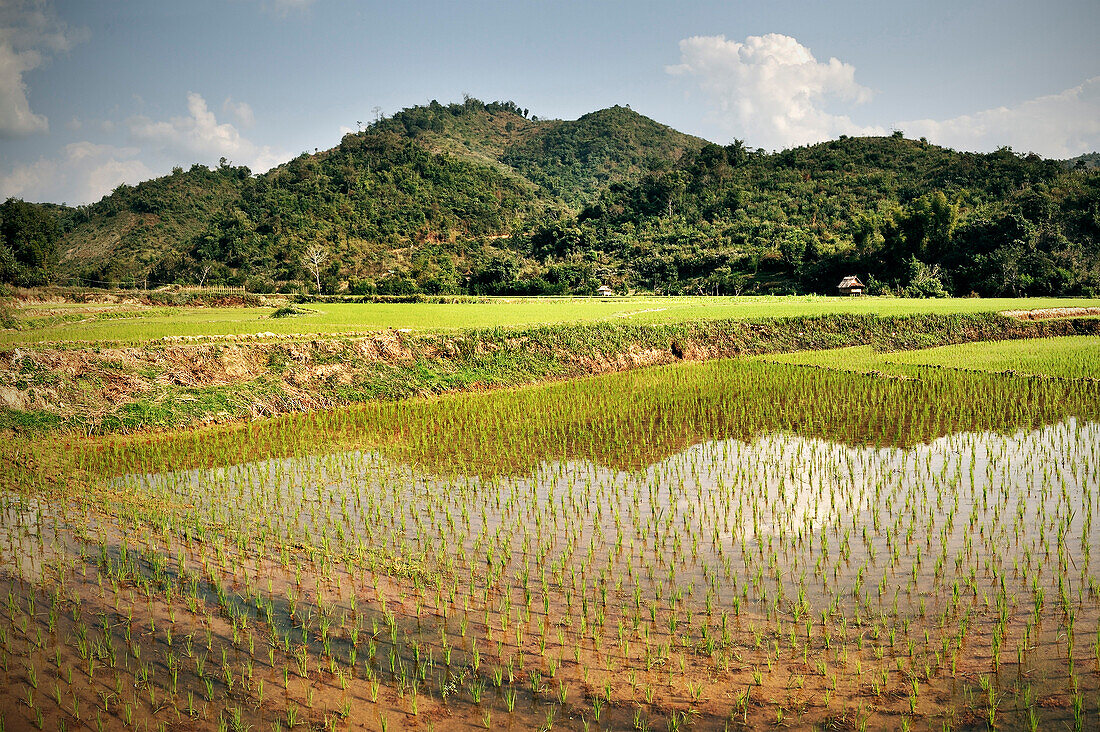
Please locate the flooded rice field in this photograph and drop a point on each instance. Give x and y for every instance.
(718, 546)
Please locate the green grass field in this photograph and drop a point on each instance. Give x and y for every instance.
(135, 325)
(1072, 357)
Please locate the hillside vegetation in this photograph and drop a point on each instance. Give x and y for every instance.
(478, 198)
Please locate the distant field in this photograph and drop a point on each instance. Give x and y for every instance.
(1071, 357)
(127, 324)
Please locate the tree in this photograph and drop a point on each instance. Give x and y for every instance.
(495, 276)
(29, 234)
(924, 280)
(314, 258)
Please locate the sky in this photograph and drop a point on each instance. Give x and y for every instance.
(95, 93)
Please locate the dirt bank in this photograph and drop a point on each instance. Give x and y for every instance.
(177, 382)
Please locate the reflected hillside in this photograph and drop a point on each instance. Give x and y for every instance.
(626, 421)
(666, 544)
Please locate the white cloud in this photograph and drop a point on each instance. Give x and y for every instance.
(240, 111)
(770, 89)
(16, 117)
(1057, 125)
(83, 173)
(199, 137)
(29, 33)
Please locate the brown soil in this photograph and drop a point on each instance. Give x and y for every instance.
(95, 381)
(139, 628)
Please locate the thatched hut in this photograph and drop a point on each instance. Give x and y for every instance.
(850, 286)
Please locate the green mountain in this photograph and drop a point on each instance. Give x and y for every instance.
(569, 160)
(126, 234)
(484, 198)
(416, 191)
(575, 160)
(1088, 161)
(900, 212)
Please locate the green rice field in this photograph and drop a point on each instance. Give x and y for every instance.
(732, 544)
(133, 324)
(1071, 357)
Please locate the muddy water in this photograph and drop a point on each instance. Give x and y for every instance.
(783, 580)
(28, 541)
(963, 565)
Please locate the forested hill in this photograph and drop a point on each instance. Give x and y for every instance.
(570, 160)
(906, 215)
(485, 198)
(1087, 161)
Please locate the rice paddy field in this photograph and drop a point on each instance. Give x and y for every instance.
(721, 545)
(97, 323)
(1071, 357)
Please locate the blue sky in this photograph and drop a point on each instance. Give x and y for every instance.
(94, 93)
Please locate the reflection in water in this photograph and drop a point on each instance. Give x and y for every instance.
(628, 420)
(780, 528)
(802, 496)
(28, 536)
(662, 541)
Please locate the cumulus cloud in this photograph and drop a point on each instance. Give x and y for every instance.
(770, 89)
(84, 172)
(16, 117)
(200, 137)
(1057, 125)
(240, 111)
(29, 33)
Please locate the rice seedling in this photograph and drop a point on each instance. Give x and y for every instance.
(804, 536)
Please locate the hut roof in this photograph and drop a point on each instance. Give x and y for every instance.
(850, 281)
